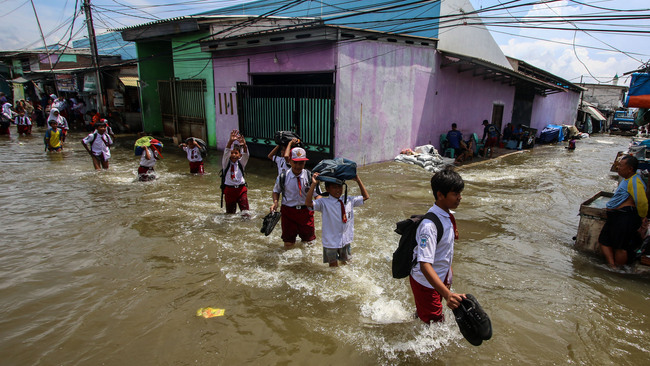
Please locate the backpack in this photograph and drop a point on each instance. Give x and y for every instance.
(283, 177)
(403, 260)
(336, 170)
(282, 138)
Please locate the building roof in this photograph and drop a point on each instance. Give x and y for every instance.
(419, 18)
(309, 32)
(542, 82)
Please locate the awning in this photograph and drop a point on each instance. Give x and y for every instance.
(20, 80)
(129, 80)
(595, 113)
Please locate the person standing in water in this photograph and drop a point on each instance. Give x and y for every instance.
(99, 142)
(625, 212)
(431, 277)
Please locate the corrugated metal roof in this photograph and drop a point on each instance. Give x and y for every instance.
(129, 80)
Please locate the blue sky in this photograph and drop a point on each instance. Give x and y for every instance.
(573, 53)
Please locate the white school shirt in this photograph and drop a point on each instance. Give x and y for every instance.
(100, 144)
(281, 162)
(440, 255)
(291, 197)
(23, 121)
(148, 163)
(193, 154)
(63, 123)
(337, 234)
(234, 167)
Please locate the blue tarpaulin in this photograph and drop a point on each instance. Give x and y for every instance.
(639, 94)
(551, 133)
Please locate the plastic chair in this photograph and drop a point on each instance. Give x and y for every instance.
(449, 150)
(477, 145)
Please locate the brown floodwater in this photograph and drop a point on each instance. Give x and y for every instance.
(99, 269)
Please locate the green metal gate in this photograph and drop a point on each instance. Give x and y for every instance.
(182, 107)
(305, 109)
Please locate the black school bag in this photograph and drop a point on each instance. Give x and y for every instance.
(282, 138)
(403, 260)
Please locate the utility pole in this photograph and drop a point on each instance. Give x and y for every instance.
(47, 51)
(95, 56)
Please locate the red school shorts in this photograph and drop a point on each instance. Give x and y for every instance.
(297, 222)
(26, 129)
(196, 167)
(236, 196)
(428, 302)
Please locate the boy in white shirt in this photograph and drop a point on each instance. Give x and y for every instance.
(431, 277)
(235, 157)
(100, 143)
(193, 155)
(297, 219)
(277, 156)
(24, 124)
(150, 154)
(338, 219)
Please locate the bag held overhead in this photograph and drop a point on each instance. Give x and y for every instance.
(282, 138)
(336, 170)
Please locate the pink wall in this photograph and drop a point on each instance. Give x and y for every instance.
(389, 96)
(383, 97)
(557, 109)
(467, 100)
(232, 67)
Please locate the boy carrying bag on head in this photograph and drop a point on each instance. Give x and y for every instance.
(338, 218)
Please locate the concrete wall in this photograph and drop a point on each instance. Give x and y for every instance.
(150, 70)
(233, 66)
(466, 100)
(383, 95)
(558, 108)
(191, 63)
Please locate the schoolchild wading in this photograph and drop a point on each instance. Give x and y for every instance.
(100, 142)
(235, 158)
(431, 277)
(297, 219)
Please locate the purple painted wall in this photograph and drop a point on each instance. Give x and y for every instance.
(388, 96)
(557, 109)
(467, 100)
(232, 67)
(383, 97)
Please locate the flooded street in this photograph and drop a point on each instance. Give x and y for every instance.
(99, 269)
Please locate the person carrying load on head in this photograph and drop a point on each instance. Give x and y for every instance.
(297, 219)
(625, 212)
(150, 154)
(235, 157)
(338, 218)
(277, 155)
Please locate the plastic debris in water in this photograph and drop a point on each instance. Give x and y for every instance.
(210, 312)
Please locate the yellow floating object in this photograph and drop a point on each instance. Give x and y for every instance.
(210, 312)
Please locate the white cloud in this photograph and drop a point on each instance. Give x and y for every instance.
(556, 53)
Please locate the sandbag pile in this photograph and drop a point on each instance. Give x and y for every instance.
(425, 156)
